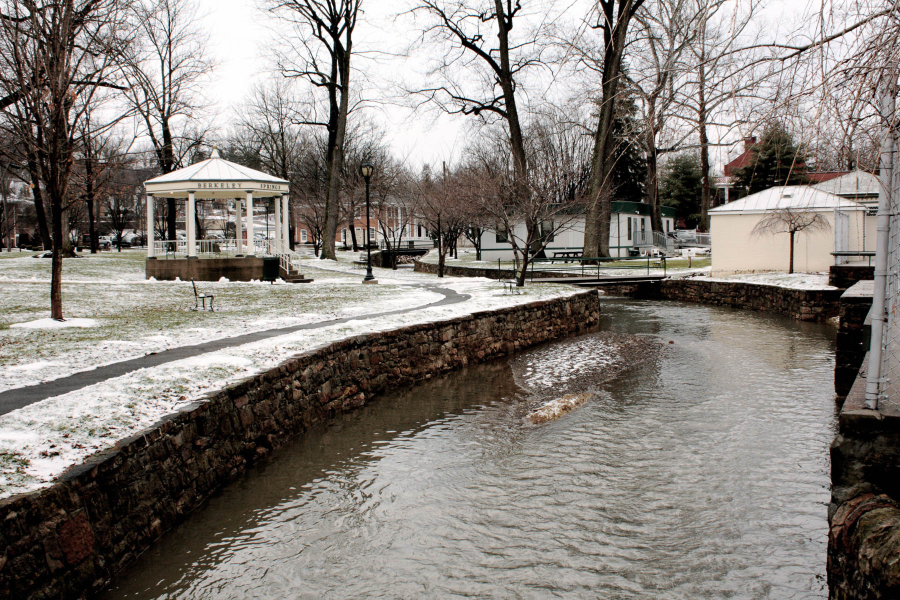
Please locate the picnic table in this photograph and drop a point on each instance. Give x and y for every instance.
(568, 254)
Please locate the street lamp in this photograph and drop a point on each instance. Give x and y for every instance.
(366, 171)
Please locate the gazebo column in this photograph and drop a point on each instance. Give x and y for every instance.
(251, 230)
(151, 237)
(191, 219)
(286, 223)
(238, 229)
(279, 245)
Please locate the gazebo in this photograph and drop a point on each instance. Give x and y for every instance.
(240, 259)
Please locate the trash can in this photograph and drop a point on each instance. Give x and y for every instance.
(270, 268)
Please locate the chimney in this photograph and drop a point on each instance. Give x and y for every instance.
(749, 142)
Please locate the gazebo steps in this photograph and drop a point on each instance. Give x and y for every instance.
(295, 278)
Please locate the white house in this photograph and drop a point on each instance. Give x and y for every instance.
(630, 230)
(735, 249)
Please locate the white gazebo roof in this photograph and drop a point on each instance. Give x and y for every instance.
(798, 197)
(216, 178)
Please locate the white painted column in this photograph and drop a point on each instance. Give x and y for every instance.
(251, 250)
(286, 223)
(238, 229)
(191, 217)
(279, 246)
(151, 228)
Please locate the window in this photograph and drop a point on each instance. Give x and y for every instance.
(502, 235)
(629, 228)
(302, 236)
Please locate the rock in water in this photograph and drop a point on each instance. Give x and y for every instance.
(554, 409)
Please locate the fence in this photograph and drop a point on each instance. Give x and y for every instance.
(883, 377)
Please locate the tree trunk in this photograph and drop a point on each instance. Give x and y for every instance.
(56, 311)
(705, 200)
(38, 196)
(596, 227)
(337, 120)
(791, 265)
(653, 183)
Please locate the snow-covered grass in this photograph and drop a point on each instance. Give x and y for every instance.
(795, 281)
(134, 317)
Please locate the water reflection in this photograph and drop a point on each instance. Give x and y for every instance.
(702, 475)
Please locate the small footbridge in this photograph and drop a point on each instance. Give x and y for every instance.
(598, 271)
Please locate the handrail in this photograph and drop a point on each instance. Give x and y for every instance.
(584, 264)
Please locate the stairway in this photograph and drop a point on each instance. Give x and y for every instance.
(289, 269)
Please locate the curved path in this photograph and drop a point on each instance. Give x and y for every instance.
(14, 399)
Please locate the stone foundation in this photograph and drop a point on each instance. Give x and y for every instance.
(864, 513)
(845, 276)
(68, 540)
(245, 268)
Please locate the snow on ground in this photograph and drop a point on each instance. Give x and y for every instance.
(52, 324)
(795, 281)
(40, 441)
(135, 317)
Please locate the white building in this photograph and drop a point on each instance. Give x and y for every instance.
(735, 249)
(630, 232)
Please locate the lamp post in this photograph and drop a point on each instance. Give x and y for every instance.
(366, 170)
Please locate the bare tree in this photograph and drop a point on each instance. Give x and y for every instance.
(165, 73)
(319, 51)
(480, 70)
(664, 31)
(559, 155)
(612, 18)
(441, 206)
(54, 60)
(791, 221)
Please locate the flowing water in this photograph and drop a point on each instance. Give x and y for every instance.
(701, 474)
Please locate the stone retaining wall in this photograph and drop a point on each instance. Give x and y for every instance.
(864, 513)
(68, 540)
(804, 305)
(844, 276)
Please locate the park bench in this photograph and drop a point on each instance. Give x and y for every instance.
(198, 297)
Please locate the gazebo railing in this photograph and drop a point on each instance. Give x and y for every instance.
(208, 248)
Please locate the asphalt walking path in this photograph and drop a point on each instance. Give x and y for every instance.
(17, 398)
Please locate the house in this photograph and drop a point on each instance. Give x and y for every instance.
(736, 249)
(630, 231)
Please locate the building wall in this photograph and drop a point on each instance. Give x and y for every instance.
(736, 250)
(621, 239)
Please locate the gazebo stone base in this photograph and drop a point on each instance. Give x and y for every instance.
(206, 269)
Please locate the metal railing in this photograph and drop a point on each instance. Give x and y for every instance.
(206, 248)
(596, 267)
(408, 244)
(657, 239)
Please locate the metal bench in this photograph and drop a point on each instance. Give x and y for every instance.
(198, 297)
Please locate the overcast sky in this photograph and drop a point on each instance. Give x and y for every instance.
(241, 35)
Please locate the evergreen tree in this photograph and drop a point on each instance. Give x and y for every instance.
(629, 174)
(774, 161)
(681, 186)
